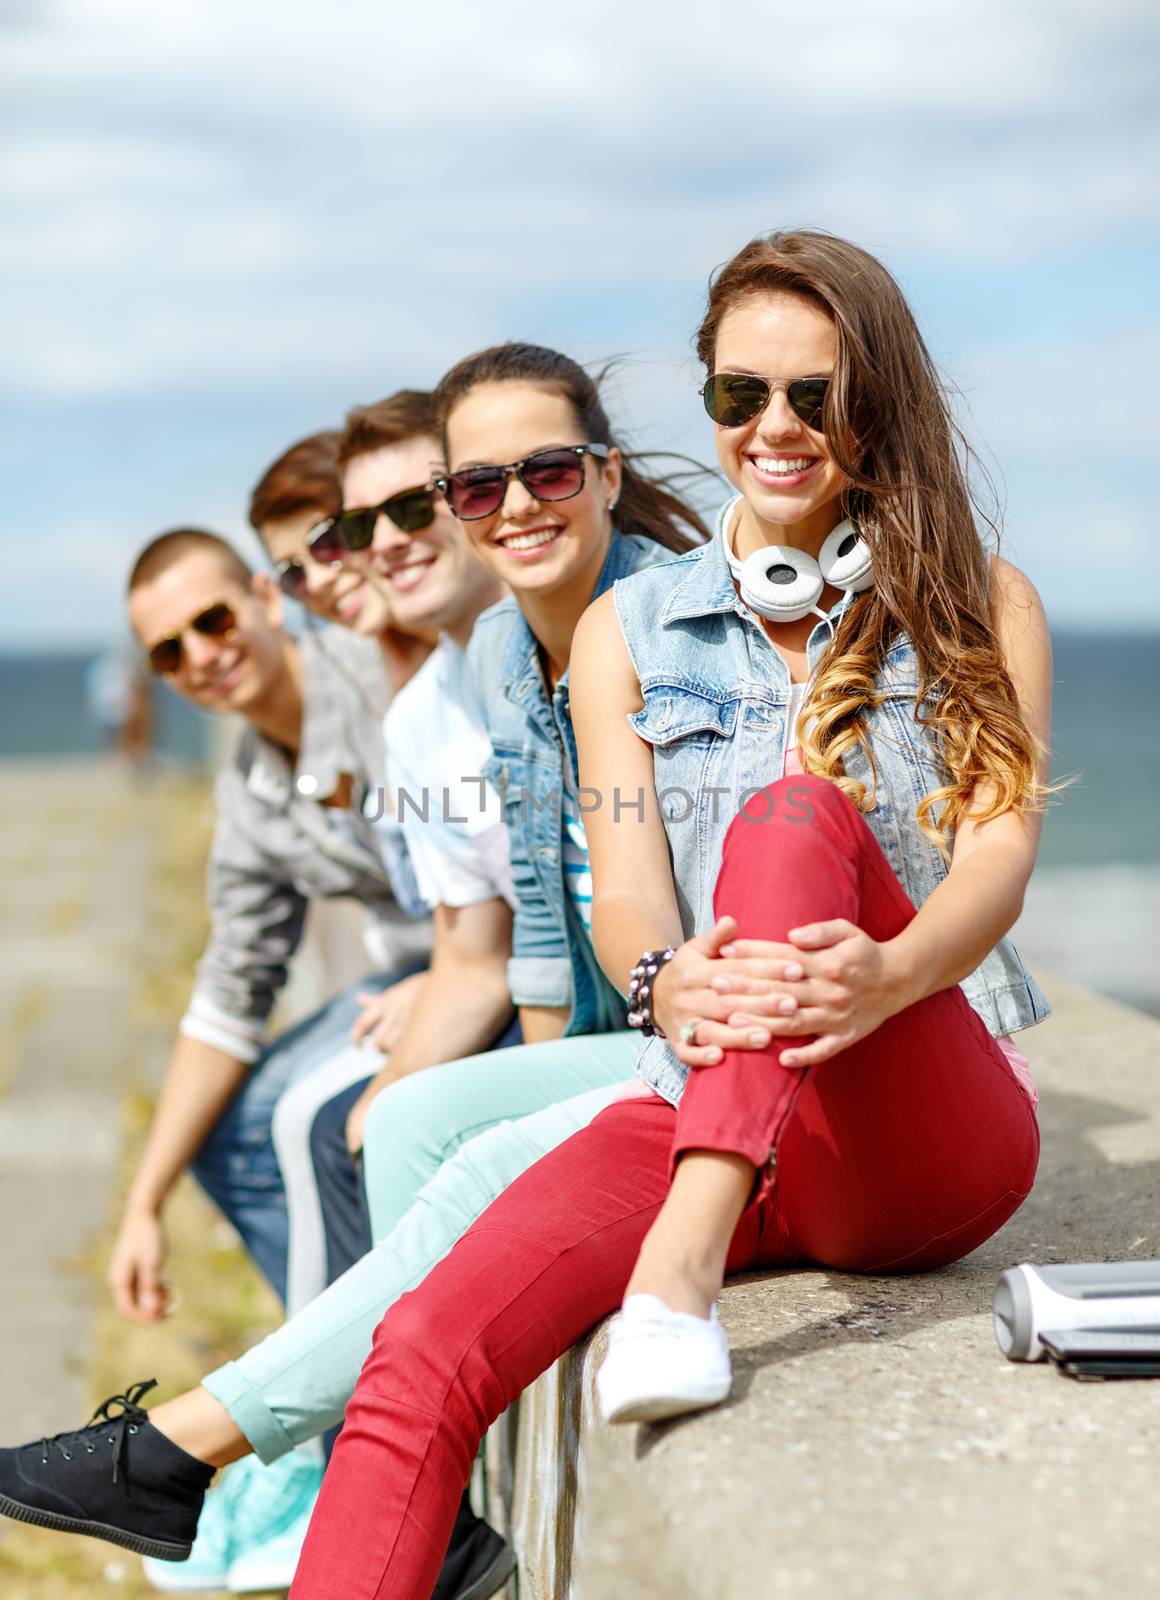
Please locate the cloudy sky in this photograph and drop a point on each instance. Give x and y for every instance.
(222, 222)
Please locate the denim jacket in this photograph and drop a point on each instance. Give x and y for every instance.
(533, 766)
(715, 694)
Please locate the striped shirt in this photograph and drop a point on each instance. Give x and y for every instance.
(577, 871)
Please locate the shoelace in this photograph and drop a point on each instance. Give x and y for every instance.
(127, 1421)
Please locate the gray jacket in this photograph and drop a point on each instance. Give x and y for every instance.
(276, 847)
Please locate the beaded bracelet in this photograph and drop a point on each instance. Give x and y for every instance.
(640, 987)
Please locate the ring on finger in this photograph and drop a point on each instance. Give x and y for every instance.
(688, 1031)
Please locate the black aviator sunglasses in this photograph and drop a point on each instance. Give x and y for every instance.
(734, 398)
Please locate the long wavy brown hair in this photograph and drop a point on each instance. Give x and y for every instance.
(890, 430)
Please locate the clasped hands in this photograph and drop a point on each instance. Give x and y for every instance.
(831, 984)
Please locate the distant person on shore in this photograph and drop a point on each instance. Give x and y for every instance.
(120, 703)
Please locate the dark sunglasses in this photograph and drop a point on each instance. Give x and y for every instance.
(732, 398)
(215, 622)
(324, 545)
(410, 510)
(336, 538)
(547, 475)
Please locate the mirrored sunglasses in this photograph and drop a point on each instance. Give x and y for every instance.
(734, 398)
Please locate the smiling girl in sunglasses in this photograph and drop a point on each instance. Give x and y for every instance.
(827, 977)
(551, 506)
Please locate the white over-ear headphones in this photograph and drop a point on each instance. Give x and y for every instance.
(783, 584)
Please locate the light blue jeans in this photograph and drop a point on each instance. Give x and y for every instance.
(440, 1146)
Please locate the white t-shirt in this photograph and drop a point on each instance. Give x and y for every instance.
(452, 821)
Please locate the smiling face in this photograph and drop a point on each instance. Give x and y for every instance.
(424, 578)
(537, 547)
(783, 468)
(339, 593)
(237, 671)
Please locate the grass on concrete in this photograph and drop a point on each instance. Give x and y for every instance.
(22, 1018)
(224, 1305)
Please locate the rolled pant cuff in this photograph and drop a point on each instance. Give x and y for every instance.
(251, 1413)
(727, 1141)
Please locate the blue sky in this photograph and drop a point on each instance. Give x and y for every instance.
(221, 224)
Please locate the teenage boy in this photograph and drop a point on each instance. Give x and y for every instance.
(418, 585)
(422, 573)
(288, 830)
(292, 510)
(249, 1538)
(437, 589)
(421, 564)
(426, 580)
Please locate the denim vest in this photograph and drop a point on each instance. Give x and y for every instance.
(533, 766)
(715, 694)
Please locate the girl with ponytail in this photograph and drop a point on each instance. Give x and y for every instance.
(550, 502)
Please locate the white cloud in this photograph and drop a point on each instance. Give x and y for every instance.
(181, 183)
(273, 198)
(1093, 404)
(386, 64)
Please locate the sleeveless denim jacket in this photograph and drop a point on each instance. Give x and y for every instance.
(715, 695)
(533, 766)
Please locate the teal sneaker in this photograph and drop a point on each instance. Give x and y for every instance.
(251, 1530)
(271, 1512)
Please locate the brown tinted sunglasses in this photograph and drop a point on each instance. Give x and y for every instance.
(215, 622)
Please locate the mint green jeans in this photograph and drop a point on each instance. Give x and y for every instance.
(440, 1146)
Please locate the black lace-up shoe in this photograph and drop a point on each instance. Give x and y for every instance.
(478, 1562)
(118, 1478)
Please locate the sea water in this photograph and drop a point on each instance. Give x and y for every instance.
(1092, 909)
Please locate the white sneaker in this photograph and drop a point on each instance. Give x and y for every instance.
(661, 1363)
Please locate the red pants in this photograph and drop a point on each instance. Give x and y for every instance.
(902, 1153)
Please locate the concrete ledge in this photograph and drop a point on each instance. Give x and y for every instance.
(876, 1442)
